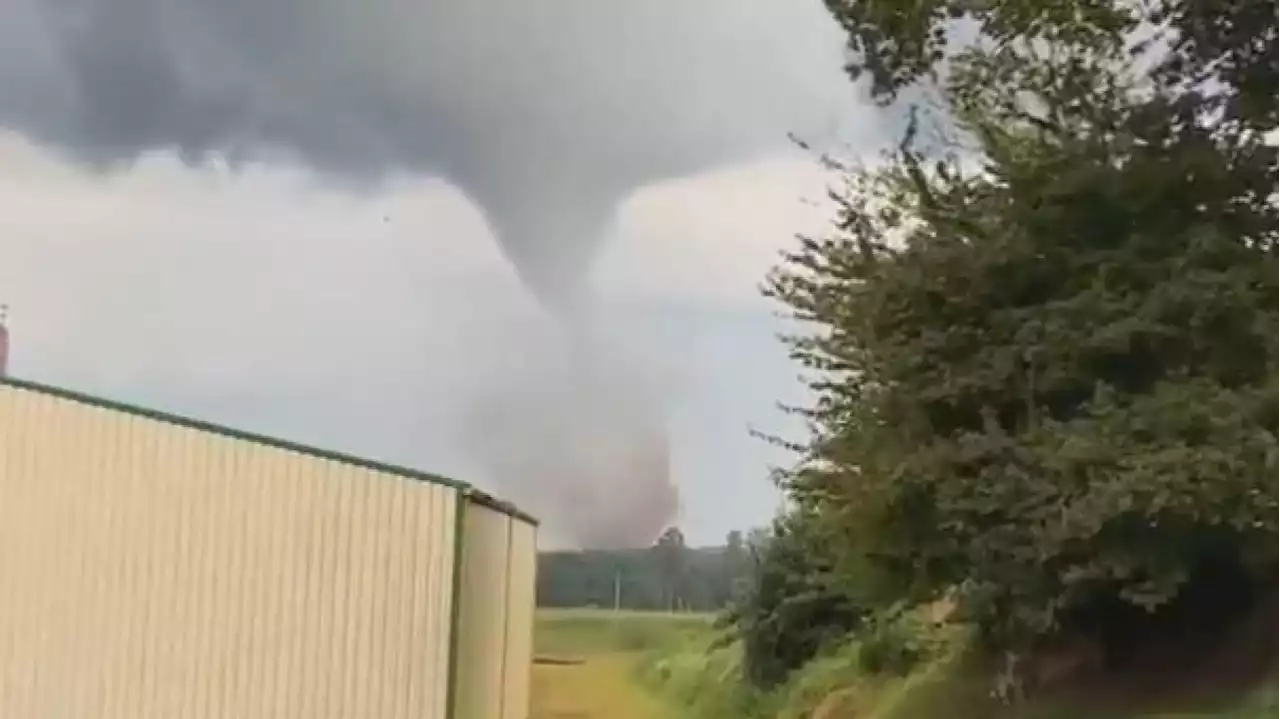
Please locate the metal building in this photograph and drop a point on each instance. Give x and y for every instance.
(156, 567)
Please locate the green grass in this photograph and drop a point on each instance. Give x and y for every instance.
(608, 649)
(642, 665)
(588, 631)
(599, 688)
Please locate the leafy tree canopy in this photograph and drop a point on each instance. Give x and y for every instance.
(1228, 44)
(1046, 378)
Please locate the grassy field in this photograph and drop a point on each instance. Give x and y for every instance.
(662, 666)
(597, 656)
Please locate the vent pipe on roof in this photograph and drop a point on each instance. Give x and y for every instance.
(4, 341)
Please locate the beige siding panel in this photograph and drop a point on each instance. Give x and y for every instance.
(495, 628)
(482, 618)
(522, 563)
(154, 571)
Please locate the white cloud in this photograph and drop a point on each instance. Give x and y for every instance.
(260, 275)
(257, 276)
(712, 237)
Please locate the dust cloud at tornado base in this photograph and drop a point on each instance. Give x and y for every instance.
(577, 432)
(546, 115)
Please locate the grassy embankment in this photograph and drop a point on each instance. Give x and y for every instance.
(703, 681)
(675, 658)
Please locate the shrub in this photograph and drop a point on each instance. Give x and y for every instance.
(795, 604)
(896, 642)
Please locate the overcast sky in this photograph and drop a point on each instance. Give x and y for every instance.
(330, 222)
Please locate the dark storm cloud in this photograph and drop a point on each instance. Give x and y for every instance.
(545, 113)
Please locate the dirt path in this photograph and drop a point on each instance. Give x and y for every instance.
(599, 688)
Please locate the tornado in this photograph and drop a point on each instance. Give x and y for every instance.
(546, 115)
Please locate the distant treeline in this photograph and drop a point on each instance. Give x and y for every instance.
(667, 576)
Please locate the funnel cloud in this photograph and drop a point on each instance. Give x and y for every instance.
(546, 115)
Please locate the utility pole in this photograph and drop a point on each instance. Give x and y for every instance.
(617, 591)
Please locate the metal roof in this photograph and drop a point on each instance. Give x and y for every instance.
(475, 495)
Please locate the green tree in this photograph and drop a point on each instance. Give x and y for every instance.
(671, 552)
(590, 578)
(1046, 365)
(793, 604)
(1229, 42)
(735, 542)
(736, 565)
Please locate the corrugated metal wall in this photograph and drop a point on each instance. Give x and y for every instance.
(521, 603)
(483, 614)
(151, 570)
(495, 628)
